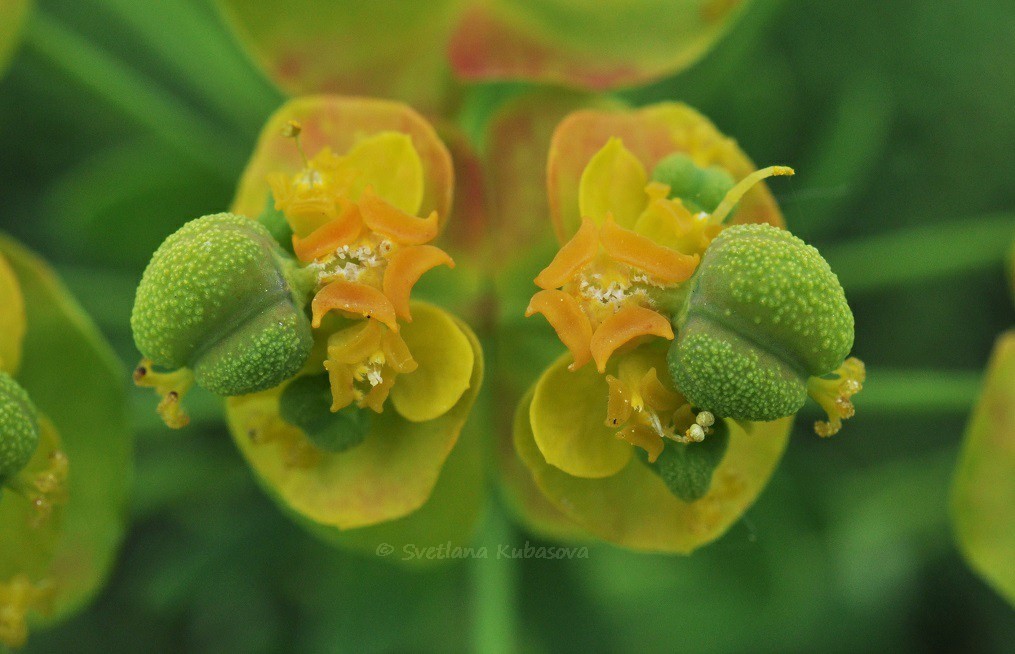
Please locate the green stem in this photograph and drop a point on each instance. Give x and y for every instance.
(902, 392)
(133, 95)
(495, 584)
(922, 254)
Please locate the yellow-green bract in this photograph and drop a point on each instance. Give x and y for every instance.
(19, 428)
(765, 313)
(218, 298)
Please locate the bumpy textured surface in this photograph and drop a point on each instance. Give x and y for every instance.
(766, 313)
(720, 372)
(214, 298)
(701, 189)
(19, 428)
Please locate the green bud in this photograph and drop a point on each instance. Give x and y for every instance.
(764, 314)
(700, 189)
(219, 297)
(19, 428)
(686, 468)
(306, 403)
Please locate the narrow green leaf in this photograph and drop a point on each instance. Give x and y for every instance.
(920, 254)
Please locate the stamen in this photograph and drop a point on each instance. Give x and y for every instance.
(705, 419)
(834, 395)
(171, 387)
(292, 130)
(743, 186)
(695, 433)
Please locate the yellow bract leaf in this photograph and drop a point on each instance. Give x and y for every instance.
(77, 383)
(389, 164)
(633, 508)
(391, 474)
(12, 319)
(345, 125)
(613, 182)
(649, 134)
(445, 361)
(568, 417)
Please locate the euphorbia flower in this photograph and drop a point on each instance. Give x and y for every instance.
(612, 276)
(367, 252)
(65, 451)
(358, 432)
(638, 224)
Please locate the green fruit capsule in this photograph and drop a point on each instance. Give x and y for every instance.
(700, 189)
(765, 322)
(219, 297)
(19, 428)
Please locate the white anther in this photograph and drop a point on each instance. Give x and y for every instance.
(705, 419)
(695, 433)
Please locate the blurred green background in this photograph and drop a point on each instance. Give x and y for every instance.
(121, 120)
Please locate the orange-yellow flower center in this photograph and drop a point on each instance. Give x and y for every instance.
(366, 255)
(363, 362)
(600, 291)
(645, 412)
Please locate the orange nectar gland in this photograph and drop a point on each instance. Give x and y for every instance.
(600, 291)
(645, 412)
(365, 256)
(605, 286)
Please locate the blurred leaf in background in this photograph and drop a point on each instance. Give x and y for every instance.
(13, 13)
(409, 51)
(984, 485)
